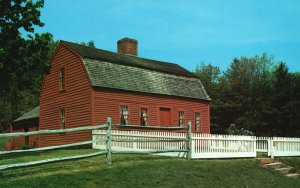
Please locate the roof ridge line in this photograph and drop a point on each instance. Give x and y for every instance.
(100, 54)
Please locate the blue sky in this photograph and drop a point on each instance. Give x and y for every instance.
(183, 32)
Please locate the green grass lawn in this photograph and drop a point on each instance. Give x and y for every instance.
(293, 161)
(137, 171)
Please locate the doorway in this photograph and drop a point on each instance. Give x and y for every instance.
(165, 116)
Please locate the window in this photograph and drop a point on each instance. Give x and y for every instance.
(197, 121)
(124, 115)
(62, 78)
(62, 118)
(144, 116)
(181, 119)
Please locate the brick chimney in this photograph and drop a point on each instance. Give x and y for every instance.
(128, 46)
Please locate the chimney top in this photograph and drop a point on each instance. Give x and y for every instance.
(128, 46)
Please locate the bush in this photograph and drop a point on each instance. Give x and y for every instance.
(235, 130)
(24, 147)
(3, 141)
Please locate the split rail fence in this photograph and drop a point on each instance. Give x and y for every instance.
(202, 145)
(181, 144)
(3, 167)
(107, 139)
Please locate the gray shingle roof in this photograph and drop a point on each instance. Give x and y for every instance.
(131, 73)
(116, 76)
(130, 60)
(34, 113)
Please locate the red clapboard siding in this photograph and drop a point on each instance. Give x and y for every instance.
(19, 141)
(86, 106)
(107, 103)
(75, 100)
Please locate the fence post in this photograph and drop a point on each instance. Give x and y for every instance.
(94, 138)
(255, 143)
(272, 148)
(189, 136)
(269, 146)
(108, 141)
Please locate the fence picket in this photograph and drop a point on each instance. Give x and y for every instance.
(108, 141)
(283, 146)
(202, 145)
(189, 145)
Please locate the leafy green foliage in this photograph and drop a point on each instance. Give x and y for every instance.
(256, 94)
(210, 77)
(23, 60)
(3, 141)
(88, 44)
(234, 130)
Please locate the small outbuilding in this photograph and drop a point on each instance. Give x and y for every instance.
(26, 123)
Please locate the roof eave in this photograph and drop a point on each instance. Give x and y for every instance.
(25, 120)
(117, 89)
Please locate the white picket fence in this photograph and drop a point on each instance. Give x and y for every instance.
(262, 143)
(282, 146)
(142, 146)
(278, 146)
(223, 146)
(203, 145)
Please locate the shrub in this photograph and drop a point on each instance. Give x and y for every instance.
(24, 147)
(3, 141)
(235, 130)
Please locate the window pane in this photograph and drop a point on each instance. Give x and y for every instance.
(197, 121)
(62, 119)
(144, 117)
(181, 119)
(62, 78)
(124, 115)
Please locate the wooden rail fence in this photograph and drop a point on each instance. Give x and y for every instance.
(201, 145)
(181, 144)
(108, 140)
(3, 167)
(128, 144)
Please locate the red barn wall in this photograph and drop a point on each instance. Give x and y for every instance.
(84, 105)
(107, 104)
(75, 99)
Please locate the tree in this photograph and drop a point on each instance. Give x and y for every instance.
(210, 77)
(279, 113)
(295, 105)
(248, 82)
(240, 94)
(88, 44)
(256, 95)
(23, 60)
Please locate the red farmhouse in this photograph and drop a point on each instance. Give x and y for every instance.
(86, 85)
